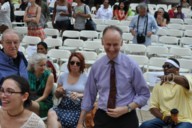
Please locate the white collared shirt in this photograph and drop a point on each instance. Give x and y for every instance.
(105, 14)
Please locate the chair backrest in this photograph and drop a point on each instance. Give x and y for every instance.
(134, 48)
(157, 50)
(141, 60)
(89, 34)
(125, 23)
(51, 32)
(31, 40)
(19, 13)
(188, 33)
(99, 21)
(101, 55)
(71, 34)
(168, 40)
(100, 28)
(156, 61)
(154, 39)
(21, 30)
(112, 22)
(188, 21)
(76, 43)
(127, 37)
(180, 52)
(186, 64)
(175, 26)
(161, 32)
(59, 54)
(49, 24)
(124, 28)
(174, 32)
(187, 27)
(53, 42)
(164, 6)
(186, 41)
(176, 21)
(92, 45)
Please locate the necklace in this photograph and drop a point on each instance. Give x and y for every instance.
(15, 114)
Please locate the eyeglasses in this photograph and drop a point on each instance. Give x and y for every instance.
(73, 62)
(7, 92)
(168, 66)
(160, 12)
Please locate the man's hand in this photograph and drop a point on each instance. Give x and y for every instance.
(167, 119)
(166, 78)
(133, 32)
(117, 112)
(149, 34)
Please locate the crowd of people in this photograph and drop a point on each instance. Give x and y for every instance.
(115, 82)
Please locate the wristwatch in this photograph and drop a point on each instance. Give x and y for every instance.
(129, 108)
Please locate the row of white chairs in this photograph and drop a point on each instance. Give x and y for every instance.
(174, 32)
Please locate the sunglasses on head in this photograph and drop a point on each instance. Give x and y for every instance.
(73, 63)
(168, 66)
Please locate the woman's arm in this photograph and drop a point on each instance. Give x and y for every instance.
(59, 91)
(25, 18)
(37, 18)
(48, 88)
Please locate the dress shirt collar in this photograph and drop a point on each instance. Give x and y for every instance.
(117, 59)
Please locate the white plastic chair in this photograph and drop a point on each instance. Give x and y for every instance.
(188, 21)
(112, 22)
(188, 33)
(127, 37)
(187, 27)
(89, 34)
(134, 49)
(141, 60)
(71, 34)
(59, 55)
(180, 52)
(51, 32)
(89, 56)
(124, 28)
(157, 51)
(72, 44)
(176, 21)
(95, 46)
(21, 30)
(168, 40)
(161, 32)
(31, 40)
(164, 6)
(186, 41)
(155, 40)
(98, 21)
(49, 24)
(100, 28)
(133, 5)
(155, 64)
(53, 42)
(101, 55)
(175, 26)
(185, 65)
(125, 23)
(93, 9)
(174, 32)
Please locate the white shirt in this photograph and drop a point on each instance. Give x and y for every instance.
(5, 14)
(105, 14)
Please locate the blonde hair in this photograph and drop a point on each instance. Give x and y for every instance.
(34, 60)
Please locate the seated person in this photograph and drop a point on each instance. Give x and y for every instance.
(121, 12)
(41, 83)
(173, 92)
(105, 12)
(161, 21)
(171, 12)
(70, 88)
(42, 48)
(185, 4)
(165, 15)
(179, 14)
(15, 100)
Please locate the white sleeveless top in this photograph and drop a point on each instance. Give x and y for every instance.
(34, 121)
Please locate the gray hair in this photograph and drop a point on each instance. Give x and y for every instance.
(34, 60)
(8, 31)
(142, 6)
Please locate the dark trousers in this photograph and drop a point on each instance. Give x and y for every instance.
(129, 120)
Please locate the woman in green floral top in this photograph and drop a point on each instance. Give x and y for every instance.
(41, 83)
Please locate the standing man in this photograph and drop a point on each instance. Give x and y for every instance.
(105, 12)
(119, 83)
(142, 26)
(12, 62)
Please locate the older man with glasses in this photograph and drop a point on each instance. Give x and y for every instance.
(173, 93)
(12, 62)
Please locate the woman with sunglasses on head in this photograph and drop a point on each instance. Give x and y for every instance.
(162, 17)
(70, 88)
(15, 100)
(41, 82)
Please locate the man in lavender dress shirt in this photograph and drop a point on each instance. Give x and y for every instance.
(132, 90)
